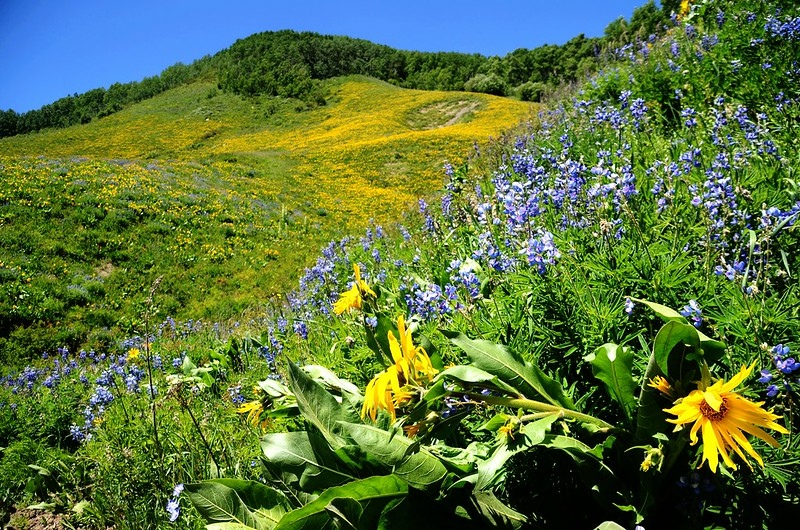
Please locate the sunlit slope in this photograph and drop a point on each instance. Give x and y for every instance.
(227, 199)
(372, 143)
(375, 147)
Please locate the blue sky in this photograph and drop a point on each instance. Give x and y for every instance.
(54, 48)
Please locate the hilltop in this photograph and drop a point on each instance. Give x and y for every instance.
(296, 64)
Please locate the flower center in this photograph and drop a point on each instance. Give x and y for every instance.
(714, 415)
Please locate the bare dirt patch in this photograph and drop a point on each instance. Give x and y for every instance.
(442, 114)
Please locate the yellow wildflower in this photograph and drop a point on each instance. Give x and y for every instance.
(662, 385)
(723, 417)
(352, 298)
(684, 9)
(509, 428)
(133, 354)
(253, 409)
(391, 388)
(653, 457)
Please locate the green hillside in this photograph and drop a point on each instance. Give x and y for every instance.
(597, 309)
(228, 199)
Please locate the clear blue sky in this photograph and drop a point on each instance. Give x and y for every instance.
(54, 48)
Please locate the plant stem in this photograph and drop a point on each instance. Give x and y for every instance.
(150, 362)
(188, 409)
(538, 406)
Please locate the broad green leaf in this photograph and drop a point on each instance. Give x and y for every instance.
(318, 406)
(274, 389)
(527, 379)
(495, 422)
(378, 338)
(713, 349)
(663, 312)
(536, 431)
(421, 469)
(609, 525)
(348, 512)
(304, 459)
(459, 460)
(48, 506)
(671, 360)
(315, 515)
(244, 502)
(474, 376)
(226, 526)
(330, 380)
(492, 470)
(612, 364)
(496, 512)
(650, 416)
(594, 472)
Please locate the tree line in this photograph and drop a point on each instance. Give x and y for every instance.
(293, 64)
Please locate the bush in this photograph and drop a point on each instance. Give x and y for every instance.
(487, 84)
(531, 91)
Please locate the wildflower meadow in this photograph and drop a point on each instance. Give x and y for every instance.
(592, 324)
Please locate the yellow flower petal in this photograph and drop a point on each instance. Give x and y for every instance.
(723, 417)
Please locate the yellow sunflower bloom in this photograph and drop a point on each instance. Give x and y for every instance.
(723, 417)
(352, 298)
(391, 388)
(253, 409)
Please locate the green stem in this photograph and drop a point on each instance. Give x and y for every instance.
(538, 406)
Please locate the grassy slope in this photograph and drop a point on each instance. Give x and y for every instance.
(227, 198)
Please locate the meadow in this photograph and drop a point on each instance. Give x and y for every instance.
(211, 192)
(599, 308)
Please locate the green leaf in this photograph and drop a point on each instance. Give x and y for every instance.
(670, 351)
(329, 380)
(536, 431)
(612, 364)
(609, 525)
(304, 459)
(378, 338)
(527, 379)
(226, 526)
(492, 470)
(373, 490)
(469, 375)
(713, 349)
(496, 421)
(318, 406)
(650, 417)
(244, 502)
(606, 486)
(498, 513)
(49, 506)
(421, 469)
(663, 312)
(346, 511)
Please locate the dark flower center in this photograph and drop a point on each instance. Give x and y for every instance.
(714, 415)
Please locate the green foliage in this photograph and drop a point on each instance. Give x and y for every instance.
(530, 91)
(553, 266)
(487, 84)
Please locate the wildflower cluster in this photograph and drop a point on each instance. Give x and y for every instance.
(781, 376)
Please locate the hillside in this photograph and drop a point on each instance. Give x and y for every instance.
(228, 198)
(600, 306)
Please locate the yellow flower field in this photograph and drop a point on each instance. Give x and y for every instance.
(373, 143)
